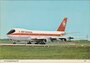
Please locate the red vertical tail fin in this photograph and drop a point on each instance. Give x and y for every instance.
(62, 26)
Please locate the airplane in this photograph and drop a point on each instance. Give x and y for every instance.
(39, 37)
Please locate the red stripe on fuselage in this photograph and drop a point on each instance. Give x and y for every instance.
(37, 34)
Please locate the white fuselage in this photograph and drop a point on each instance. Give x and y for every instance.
(23, 34)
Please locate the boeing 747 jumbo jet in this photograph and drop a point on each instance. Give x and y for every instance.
(39, 37)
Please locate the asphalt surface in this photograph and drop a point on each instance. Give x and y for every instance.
(48, 44)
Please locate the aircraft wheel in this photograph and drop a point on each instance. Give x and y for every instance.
(64, 39)
(42, 43)
(14, 42)
(45, 40)
(36, 43)
(29, 42)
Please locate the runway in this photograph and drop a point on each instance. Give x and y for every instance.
(22, 45)
(48, 44)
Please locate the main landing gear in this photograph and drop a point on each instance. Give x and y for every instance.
(29, 42)
(14, 42)
(41, 41)
(63, 39)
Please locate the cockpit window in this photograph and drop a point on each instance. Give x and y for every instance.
(11, 31)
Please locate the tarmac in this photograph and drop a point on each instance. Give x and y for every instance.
(22, 45)
(48, 44)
